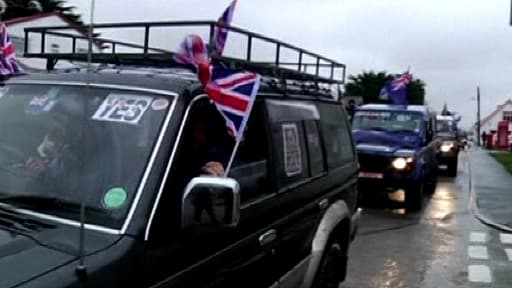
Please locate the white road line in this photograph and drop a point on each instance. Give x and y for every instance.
(478, 237)
(509, 253)
(478, 252)
(479, 273)
(506, 238)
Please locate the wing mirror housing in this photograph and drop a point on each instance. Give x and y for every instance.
(211, 202)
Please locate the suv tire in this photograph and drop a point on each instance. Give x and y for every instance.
(333, 266)
(414, 195)
(452, 167)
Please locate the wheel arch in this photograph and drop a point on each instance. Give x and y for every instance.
(335, 221)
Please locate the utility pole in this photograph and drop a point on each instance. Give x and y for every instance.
(478, 114)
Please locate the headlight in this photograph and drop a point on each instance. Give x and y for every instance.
(399, 163)
(447, 146)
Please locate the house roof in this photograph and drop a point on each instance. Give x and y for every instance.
(495, 112)
(20, 20)
(36, 17)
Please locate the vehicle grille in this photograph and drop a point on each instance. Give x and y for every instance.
(374, 163)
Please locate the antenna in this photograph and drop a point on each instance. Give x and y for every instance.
(81, 269)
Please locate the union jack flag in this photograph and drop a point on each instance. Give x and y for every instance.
(221, 33)
(233, 93)
(8, 63)
(396, 89)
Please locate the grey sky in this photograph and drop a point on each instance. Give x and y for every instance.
(452, 45)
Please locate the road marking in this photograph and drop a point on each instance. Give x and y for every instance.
(478, 252)
(506, 238)
(509, 253)
(479, 273)
(478, 237)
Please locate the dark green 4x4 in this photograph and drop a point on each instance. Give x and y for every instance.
(127, 142)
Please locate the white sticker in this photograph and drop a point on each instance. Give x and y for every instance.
(159, 104)
(123, 108)
(292, 155)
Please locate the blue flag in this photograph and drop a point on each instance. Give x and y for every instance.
(396, 89)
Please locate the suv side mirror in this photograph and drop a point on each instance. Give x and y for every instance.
(211, 202)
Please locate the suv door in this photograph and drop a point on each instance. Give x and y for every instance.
(242, 256)
(327, 172)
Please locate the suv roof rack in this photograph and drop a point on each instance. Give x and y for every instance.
(311, 70)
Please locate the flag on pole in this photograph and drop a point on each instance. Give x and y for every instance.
(221, 33)
(396, 89)
(8, 63)
(232, 91)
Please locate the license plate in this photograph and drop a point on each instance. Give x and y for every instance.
(371, 175)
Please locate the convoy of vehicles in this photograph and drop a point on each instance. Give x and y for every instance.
(396, 149)
(122, 142)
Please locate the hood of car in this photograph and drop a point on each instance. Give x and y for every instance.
(25, 255)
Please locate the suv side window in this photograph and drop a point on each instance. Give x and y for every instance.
(336, 132)
(290, 122)
(250, 167)
(314, 147)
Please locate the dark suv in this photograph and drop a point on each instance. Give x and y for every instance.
(124, 143)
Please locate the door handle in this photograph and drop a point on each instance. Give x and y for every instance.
(268, 237)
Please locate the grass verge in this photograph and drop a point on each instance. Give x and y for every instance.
(505, 158)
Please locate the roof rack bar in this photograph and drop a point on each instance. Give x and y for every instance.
(300, 61)
(43, 44)
(146, 39)
(26, 41)
(279, 67)
(73, 45)
(278, 51)
(249, 47)
(212, 24)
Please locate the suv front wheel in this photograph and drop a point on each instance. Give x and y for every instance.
(333, 267)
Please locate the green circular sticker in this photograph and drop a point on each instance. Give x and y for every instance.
(114, 198)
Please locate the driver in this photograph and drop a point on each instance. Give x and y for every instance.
(51, 152)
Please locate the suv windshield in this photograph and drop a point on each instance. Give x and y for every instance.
(61, 145)
(446, 126)
(391, 121)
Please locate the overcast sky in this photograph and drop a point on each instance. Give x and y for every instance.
(452, 45)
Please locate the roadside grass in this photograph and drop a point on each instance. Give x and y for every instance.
(505, 158)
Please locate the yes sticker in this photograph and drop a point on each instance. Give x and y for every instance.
(123, 108)
(114, 198)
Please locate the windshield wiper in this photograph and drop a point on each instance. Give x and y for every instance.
(12, 219)
(45, 203)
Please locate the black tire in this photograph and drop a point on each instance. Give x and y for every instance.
(333, 266)
(452, 167)
(414, 196)
(431, 183)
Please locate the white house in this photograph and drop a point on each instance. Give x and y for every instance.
(502, 112)
(16, 28)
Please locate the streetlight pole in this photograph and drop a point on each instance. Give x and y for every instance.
(478, 114)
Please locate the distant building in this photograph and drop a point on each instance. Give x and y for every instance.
(16, 28)
(502, 112)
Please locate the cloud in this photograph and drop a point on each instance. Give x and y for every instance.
(452, 45)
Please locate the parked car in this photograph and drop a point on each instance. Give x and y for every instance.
(124, 143)
(396, 149)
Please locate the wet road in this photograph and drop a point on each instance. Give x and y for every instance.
(441, 246)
